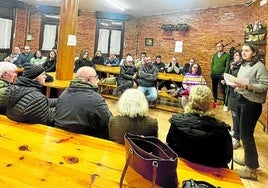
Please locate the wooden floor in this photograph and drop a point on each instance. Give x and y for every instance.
(260, 137)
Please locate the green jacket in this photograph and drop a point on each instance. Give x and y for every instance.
(3, 87)
(220, 64)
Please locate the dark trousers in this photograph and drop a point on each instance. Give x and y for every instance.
(216, 80)
(248, 114)
(236, 128)
(125, 85)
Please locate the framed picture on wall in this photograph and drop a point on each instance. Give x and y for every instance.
(149, 42)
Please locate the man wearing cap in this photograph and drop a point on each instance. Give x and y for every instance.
(81, 109)
(127, 76)
(7, 76)
(24, 100)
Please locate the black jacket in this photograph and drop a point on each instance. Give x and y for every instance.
(50, 65)
(147, 75)
(126, 74)
(82, 110)
(83, 62)
(204, 140)
(25, 102)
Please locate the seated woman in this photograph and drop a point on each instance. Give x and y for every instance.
(175, 68)
(196, 135)
(127, 76)
(38, 58)
(50, 63)
(192, 78)
(133, 118)
(83, 61)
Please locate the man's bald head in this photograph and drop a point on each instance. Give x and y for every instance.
(87, 74)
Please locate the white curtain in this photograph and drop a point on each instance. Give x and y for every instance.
(103, 40)
(5, 33)
(115, 41)
(49, 37)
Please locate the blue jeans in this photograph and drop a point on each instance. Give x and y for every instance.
(248, 113)
(149, 92)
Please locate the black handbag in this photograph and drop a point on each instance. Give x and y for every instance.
(151, 158)
(196, 184)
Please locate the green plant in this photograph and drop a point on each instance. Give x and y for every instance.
(182, 27)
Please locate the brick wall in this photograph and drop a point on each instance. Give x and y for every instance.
(207, 27)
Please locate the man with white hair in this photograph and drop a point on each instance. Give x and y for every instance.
(81, 109)
(7, 76)
(112, 60)
(24, 100)
(13, 57)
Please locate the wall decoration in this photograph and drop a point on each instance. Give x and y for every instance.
(180, 27)
(149, 42)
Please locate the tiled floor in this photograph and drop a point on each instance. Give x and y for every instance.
(260, 137)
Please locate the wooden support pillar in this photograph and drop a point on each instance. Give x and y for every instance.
(67, 29)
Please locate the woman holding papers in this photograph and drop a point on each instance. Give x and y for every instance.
(231, 98)
(250, 98)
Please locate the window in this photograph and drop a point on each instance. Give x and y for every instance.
(5, 33)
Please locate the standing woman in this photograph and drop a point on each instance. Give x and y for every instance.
(250, 97)
(232, 101)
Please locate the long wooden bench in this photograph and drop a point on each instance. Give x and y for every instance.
(35, 155)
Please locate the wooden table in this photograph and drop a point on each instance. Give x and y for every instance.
(40, 156)
(161, 75)
(108, 70)
(58, 84)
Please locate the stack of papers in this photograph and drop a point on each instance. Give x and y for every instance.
(232, 80)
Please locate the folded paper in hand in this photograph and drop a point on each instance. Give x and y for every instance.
(232, 80)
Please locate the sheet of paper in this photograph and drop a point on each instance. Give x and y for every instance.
(178, 46)
(232, 80)
(229, 79)
(71, 40)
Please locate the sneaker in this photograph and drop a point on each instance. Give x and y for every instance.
(115, 92)
(236, 143)
(247, 173)
(225, 108)
(239, 160)
(231, 132)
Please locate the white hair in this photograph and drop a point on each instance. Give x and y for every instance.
(6, 66)
(132, 103)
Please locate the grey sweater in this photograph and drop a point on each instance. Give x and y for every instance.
(258, 77)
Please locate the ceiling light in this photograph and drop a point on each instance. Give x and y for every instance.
(116, 4)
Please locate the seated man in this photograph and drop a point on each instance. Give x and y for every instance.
(7, 76)
(196, 135)
(127, 76)
(112, 60)
(25, 57)
(147, 80)
(81, 109)
(24, 100)
(13, 57)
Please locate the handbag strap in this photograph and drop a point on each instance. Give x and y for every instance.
(154, 164)
(125, 168)
(204, 183)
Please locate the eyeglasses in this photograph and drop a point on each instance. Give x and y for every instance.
(96, 76)
(195, 67)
